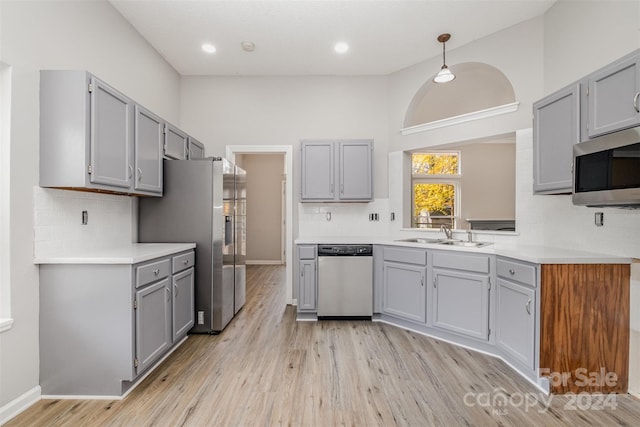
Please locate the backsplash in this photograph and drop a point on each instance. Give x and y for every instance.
(58, 220)
(346, 219)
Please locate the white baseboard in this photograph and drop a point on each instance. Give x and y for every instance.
(263, 262)
(19, 404)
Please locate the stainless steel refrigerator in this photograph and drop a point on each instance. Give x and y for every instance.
(204, 201)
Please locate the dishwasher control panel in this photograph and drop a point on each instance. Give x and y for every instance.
(345, 250)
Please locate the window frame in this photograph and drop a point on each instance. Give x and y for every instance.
(449, 179)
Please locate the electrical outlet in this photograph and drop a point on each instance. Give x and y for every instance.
(85, 217)
(201, 318)
(599, 219)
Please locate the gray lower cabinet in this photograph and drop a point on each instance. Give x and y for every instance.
(307, 279)
(404, 274)
(176, 143)
(516, 311)
(196, 149)
(460, 296)
(183, 292)
(556, 128)
(153, 323)
(336, 171)
(88, 139)
(613, 97)
(103, 325)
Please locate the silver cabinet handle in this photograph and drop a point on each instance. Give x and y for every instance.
(186, 261)
(176, 289)
(635, 102)
(168, 293)
(156, 271)
(139, 174)
(302, 273)
(528, 307)
(434, 281)
(512, 271)
(422, 281)
(341, 188)
(130, 171)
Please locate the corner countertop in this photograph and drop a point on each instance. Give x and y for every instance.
(528, 253)
(130, 254)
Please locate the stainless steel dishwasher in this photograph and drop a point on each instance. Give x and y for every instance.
(345, 281)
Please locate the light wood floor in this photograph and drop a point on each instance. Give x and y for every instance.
(267, 369)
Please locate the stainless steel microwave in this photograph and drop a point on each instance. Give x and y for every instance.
(606, 170)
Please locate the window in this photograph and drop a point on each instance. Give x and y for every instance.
(435, 189)
(5, 114)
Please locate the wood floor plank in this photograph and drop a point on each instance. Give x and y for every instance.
(266, 369)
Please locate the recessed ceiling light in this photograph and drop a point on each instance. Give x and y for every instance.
(341, 47)
(208, 47)
(248, 46)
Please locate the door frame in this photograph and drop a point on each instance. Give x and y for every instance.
(287, 150)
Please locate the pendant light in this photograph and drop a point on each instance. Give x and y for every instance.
(444, 75)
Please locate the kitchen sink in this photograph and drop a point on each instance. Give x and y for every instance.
(420, 240)
(449, 242)
(464, 243)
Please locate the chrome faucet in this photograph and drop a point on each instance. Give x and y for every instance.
(447, 230)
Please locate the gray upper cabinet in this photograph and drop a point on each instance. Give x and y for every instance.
(556, 128)
(318, 175)
(613, 97)
(110, 127)
(148, 135)
(355, 169)
(175, 143)
(336, 171)
(196, 149)
(93, 137)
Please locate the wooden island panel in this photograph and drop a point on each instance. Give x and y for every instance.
(584, 329)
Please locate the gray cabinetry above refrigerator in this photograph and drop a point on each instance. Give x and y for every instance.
(336, 171)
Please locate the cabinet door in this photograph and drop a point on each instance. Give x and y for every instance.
(461, 303)
(196, 149)
(153, 322)
(111, 147)
(515, 321)
(404, 291)
(183, 304)
(556, 127)
(307, 286)
(175, 143)
(148, 137)
(355, 170)
(613, 97)
(317, 158)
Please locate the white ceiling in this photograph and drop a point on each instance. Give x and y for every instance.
(296, 37)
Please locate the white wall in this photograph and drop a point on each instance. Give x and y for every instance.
(65, 35)
(283, 110)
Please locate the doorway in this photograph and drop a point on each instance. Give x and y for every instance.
(287, 151)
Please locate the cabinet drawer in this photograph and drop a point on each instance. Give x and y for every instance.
(405, 255)
(307, 252)
(518, 271)
(184, 261)
(458, 261)
(152, 271)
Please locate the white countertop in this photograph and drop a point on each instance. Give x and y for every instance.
(529, 253)
(131, 254)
